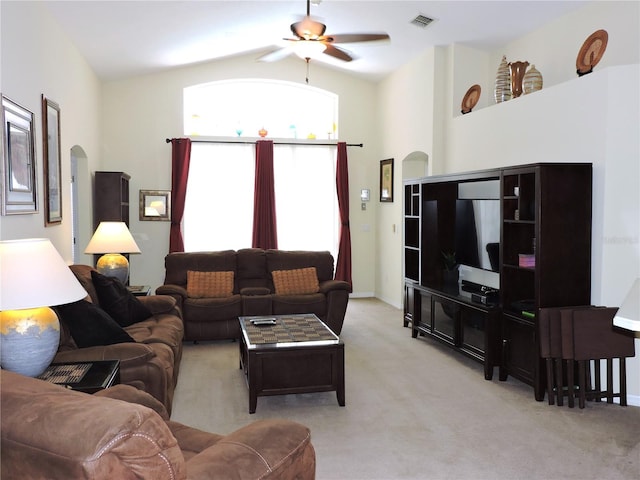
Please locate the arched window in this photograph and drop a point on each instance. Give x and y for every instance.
(219, 205)
(243, 107)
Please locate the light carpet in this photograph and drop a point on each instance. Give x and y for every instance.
(416, 409)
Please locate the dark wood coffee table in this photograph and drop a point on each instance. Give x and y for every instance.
(295, 354)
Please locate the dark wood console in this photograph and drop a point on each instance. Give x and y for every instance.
(454, 319)
(541, 258)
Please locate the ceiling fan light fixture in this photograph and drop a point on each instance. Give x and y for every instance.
(309, 48)
(308, 29)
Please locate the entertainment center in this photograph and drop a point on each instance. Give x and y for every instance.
(520, 240)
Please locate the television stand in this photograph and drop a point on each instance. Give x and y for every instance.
(454, 319)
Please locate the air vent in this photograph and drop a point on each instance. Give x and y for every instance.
(421, 21)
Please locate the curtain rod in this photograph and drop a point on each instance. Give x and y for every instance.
(168, 140)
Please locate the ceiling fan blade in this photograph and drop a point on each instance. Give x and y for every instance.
(275, 55)
(308, 29)
(355, 37)
(337, 53)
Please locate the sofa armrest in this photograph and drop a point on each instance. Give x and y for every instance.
(266, 449)
(175, 291)
(52, 432)
(129, 354)
(330, 285)
(172, 290)
(130, 394)
(337, 299)
(160, 304)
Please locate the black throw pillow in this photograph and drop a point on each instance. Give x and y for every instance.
(117, 301)
(90, 325)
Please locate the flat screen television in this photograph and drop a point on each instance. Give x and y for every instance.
(464, 219)
(477, 233)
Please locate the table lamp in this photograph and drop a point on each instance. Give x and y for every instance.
(113, 237)
(33, 276)
(628, 315)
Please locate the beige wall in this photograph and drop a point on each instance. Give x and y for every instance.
(38, 58)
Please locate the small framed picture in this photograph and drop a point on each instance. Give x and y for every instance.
(155, 205)
(386, 180)
(51, 155)
(19, 187)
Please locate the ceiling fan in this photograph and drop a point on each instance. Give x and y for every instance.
(310, 39)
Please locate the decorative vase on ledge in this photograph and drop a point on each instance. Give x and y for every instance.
(502, 90)
(518, 70)
(532, 80)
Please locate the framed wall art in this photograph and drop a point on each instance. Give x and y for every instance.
(19, 187)
(386, 180)
(155, 205)
(51, 155)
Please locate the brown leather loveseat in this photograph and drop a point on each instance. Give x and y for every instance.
(253, 288)
(149, 359)
(123, 433)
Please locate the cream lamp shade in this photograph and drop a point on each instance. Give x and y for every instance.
(628, 315)
(113, 239)
(33, 276)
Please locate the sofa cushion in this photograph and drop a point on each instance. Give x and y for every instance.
(117, 301)
(177, 264)
(162, 328)
(252, 269)
(292, 259)
(199, 309)
(209, 284)
(90, 325)
(299, 281)
(293, 304)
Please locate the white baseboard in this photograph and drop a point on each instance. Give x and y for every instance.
(361, 295)
(373, 295)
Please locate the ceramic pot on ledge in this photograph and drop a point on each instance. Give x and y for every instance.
(502, 90)
(518, 70)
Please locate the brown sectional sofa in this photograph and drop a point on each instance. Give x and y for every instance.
(253, 290)
(151, 363)
(123, 433)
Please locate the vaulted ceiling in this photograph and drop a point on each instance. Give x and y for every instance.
(120, 39)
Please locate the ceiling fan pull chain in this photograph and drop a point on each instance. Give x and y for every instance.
(307, 77)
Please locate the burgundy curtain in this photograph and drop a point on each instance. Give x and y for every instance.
(343, 265)
(265, 234)
(180, 158)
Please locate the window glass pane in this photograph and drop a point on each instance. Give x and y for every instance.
(219, 205)
(218, 212)
(241, 107)
(306, 199)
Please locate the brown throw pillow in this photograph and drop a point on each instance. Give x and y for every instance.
(296, 282)
(209, 284)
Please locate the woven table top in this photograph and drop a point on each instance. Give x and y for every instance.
(288, 330)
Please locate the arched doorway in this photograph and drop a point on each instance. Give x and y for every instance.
(80, 204)
(415, 165)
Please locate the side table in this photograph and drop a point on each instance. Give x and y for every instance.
(139, 290)
(88, 377)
